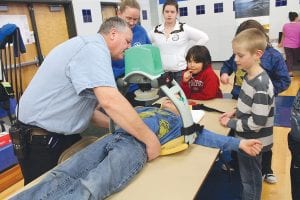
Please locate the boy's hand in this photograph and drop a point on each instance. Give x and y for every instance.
(228, 114)
(187, 75)
(224, 78)
(225, 117)
(224, 120)
(251, 146)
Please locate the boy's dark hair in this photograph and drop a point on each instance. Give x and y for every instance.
(252, 24)
(199, 54)
(170, 3)
(293, 16)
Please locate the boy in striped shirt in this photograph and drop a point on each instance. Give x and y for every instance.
(254, 115)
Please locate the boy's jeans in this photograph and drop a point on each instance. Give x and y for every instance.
(251, 177)
(105, 167)
(294, 147)
(97, 171)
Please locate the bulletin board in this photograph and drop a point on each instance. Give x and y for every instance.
(22, 23)
(18, 14)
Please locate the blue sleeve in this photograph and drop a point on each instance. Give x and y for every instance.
(118, 67)
(145, 36)
(140, 36)
(144, 33)
(229, 66)
(283, 80)
(147, 39)
(274, 64)
(224, 143)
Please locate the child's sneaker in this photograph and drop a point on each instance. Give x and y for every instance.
(270, 178)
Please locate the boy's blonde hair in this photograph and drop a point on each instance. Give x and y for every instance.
(251, 39)
(129, 3)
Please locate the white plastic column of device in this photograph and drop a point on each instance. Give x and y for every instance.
(182, 105)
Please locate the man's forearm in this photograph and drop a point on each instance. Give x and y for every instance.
(123, 114)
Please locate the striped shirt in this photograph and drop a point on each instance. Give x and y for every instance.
(255, 110)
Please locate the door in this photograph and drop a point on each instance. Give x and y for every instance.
(51, 25)
(108, 10)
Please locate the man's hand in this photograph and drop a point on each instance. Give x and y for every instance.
(251, 146)
(153, 148)
(122, 113)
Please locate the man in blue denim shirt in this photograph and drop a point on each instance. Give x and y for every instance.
(107, 165)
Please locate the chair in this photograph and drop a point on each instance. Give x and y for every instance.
(84, 142)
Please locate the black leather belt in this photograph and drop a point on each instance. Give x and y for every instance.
(37, 135)
(39, 132)
(35, 130)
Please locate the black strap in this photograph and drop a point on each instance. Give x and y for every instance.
(206, 108)
(6, 92)
(192, 129)
(157, 105)
(166, 79)
(2, 125)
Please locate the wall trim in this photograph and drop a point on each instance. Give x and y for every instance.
(38, 1)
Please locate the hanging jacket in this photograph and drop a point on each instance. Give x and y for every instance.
(10, 33)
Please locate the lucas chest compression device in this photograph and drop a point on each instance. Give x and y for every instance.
(143, 66)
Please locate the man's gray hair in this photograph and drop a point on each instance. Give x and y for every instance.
(113, 22)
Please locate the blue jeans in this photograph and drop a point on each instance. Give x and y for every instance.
(213, 140)
(95, 172)
(294, 147)
(251, 176)
(105, 167)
